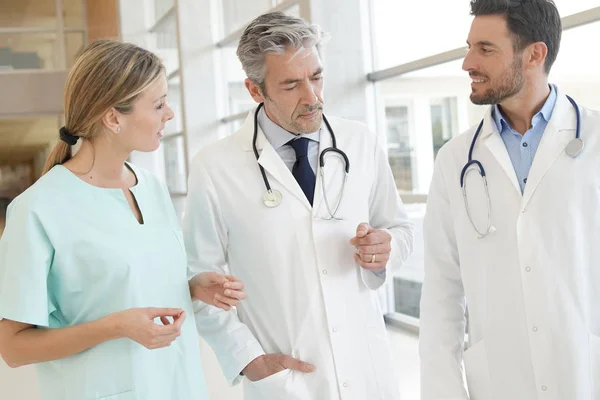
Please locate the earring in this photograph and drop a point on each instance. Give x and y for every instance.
(118, 129)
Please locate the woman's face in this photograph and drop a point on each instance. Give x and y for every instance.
(141, 130)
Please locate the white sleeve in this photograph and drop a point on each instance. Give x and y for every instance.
(387, 212)
(206, 240)
(442, 319)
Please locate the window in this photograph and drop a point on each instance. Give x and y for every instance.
(422, 111)
(398, 37)
(576, 71)
(154, 25)
(239, 101)
(29, 51)
(26, 14)
(175, 172)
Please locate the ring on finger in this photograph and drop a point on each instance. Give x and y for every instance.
(373, 258)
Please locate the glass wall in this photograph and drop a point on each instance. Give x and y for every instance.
(40, 35)
(157, 31)
(237, 14)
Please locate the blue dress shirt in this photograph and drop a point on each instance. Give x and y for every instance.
(522, 148)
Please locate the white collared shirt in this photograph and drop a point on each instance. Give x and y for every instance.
(279, 137)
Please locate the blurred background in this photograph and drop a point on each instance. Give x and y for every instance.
(395, 65)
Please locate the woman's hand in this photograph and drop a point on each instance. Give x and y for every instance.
(223, 291)
(138, 325)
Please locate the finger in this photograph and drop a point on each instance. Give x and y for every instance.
(374, 248)
(215, 278)
(227, 300)
(375, 237)
(362, 230)
(221, 305)
(235, 294)
(164, 312)
(171, 329)
(232, 278)
(179, 319)
(163, 331)
(165, 320)
(375, 266)
(235, 285)
(296, 365)
(165, 341)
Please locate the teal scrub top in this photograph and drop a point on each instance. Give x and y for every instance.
(73, 253)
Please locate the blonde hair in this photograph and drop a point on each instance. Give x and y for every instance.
(107, 74)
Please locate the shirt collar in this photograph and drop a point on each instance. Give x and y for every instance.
(278, 136)
(545, 112)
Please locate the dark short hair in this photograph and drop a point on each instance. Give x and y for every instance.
(529, 21)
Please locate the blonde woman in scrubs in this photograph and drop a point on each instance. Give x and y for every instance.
(93, 284)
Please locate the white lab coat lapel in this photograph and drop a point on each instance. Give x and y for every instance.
(558, 133)
(331, 176)
(494, 143)
(271, 161)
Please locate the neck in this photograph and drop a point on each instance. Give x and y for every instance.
(101, 161)
(520, 108)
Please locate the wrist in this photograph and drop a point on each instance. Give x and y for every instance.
(112, 327)
(252, 364)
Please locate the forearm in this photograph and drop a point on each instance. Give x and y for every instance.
(37, 345)
(235, 346)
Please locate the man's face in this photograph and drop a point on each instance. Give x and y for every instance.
(494, 67)
(294, 90)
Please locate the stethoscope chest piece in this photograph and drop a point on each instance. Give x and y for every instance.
(272, 198)
(574, 147)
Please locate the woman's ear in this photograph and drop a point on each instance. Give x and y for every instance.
(110, 120)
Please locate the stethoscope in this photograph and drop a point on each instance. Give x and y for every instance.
(272, 197)
(574, 147)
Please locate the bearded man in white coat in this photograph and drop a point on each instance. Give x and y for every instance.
(312, 241)
(519, 247)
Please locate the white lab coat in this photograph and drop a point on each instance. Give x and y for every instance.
(306, 296)
(533, 287)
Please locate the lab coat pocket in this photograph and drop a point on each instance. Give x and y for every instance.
(382, 364)
(283, 385)
(595, 365)
(120, 396)
(476, 369)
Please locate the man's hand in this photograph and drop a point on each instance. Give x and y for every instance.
(223, 291)
(373, 247)
(270, 364)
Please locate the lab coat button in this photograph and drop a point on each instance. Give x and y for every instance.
(544, 388)
(535, 328)
(345, 384)
(334, 330)
(324, 272)
(528, 269)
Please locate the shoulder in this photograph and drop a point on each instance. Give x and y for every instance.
(44, 196)
(217, 154)
(458, 146)
(590, 114)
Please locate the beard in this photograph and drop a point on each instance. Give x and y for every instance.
(299, 125)
(509, 84)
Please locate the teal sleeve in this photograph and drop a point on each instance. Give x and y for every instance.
(25, 259)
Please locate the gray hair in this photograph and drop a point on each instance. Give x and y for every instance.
(274, 33)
